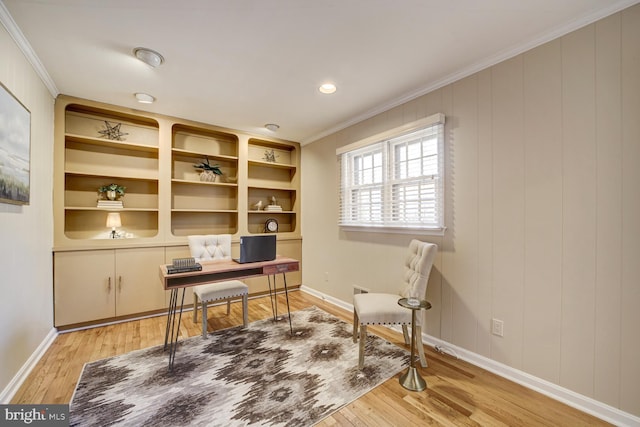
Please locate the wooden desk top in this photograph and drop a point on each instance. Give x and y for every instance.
(226, 269)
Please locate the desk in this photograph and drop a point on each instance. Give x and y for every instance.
(216, 271)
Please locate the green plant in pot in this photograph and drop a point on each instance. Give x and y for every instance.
(209, 171)
(112, 191)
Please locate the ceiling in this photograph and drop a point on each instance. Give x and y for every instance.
(244, 63)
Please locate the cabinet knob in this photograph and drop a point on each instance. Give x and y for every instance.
(119, 283)
(109, 284)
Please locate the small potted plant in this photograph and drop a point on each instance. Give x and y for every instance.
(209, 172)
(112, 191)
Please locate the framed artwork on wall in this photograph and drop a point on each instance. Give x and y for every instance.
(15, 149)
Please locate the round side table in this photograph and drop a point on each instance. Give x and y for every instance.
(411, 380)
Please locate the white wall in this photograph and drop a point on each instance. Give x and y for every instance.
(26, 232)
(543, 213)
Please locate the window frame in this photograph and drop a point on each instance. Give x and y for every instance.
(386, 143)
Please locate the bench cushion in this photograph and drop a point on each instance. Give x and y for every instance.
(221, 290)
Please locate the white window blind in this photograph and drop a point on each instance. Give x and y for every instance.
(395, 182)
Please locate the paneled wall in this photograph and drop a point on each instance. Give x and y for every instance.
(542, 209)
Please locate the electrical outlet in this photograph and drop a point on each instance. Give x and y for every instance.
(497, 327)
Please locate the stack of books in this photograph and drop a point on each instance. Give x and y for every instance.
(110, 204)
(273, 208)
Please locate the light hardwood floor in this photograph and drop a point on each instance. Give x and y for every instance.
(457, 393)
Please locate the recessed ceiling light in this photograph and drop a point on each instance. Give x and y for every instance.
(148, 56)
(272, 127)
(144, 98)
(327, 88)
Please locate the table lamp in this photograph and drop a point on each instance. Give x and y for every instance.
(113, 221)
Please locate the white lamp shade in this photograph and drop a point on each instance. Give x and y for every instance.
(113, 220)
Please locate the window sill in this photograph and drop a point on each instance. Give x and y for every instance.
(395, 230)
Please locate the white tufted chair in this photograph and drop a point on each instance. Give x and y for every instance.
(383, 309)
(211, 247)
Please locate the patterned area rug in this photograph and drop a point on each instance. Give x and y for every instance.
(257, 376)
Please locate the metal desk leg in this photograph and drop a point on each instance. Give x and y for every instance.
(272, 296)
(286, 293)
(172, 332)
(172, 304)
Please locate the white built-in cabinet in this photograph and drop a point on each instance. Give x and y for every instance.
(102, 284)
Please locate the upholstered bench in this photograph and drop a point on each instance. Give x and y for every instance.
(228, 290)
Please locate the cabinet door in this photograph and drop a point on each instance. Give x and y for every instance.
(84, 287)
(137, 280)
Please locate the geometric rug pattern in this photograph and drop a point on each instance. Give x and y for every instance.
(260, 375)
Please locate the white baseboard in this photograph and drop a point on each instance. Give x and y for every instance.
(12, 388)
(583, 403)
(328, 298)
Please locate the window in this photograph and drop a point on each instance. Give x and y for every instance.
(395, 180)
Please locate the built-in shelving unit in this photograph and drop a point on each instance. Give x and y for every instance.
(165, 201)
(202, 207)
(154, 156)
(272, 173)
(92, 160)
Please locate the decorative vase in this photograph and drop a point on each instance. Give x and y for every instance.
(111, 195)
(207, 176)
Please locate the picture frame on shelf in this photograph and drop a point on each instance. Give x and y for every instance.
(15, 149)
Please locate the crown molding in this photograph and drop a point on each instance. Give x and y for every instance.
(490, 61)
(14, 31)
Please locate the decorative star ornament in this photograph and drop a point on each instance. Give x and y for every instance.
(112, 131)
(270, 156)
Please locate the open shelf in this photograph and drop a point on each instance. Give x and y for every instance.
(286, 221)
(185, 223)
(82, 191)
(269, 177)
(81, 208)
(93, 159)
(100, 142)
(91, 223)
(190, 140)
(274, 154)
(85, 122)
(188, 196)
(183, 169)
(285, 198)
(265, 164)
